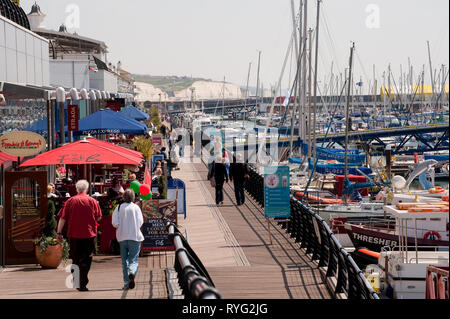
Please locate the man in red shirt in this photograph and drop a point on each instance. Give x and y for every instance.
(81, 213)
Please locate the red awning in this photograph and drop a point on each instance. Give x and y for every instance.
(87, 151)
(6, 157)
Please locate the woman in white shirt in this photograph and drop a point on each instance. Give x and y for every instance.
(127, 219)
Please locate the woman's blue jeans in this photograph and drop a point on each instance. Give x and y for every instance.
(129, 251)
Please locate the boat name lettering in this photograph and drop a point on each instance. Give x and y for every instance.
(376, 240)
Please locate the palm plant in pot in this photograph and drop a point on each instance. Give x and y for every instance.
(50, 251)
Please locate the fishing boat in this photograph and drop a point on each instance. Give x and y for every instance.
(429, 228)
(402, 268)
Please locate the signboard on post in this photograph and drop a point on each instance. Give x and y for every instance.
(154, 228)
(74, 116)
(22, 143)
(277, 199)
(157, 139)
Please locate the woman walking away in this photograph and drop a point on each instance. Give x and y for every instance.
(128, 220)
(219, 172)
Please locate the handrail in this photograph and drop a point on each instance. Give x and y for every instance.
(316, 237)
(193, 278)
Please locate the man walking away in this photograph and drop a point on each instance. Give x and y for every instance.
(81, 213)
(238, 174)
(127, 219)
(219, 172)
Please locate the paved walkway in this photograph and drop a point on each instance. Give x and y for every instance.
(232, 242)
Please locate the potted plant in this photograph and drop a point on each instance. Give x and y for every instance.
(50, 251)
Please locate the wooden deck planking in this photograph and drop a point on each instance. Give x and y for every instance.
(232, 242)
(281, 270)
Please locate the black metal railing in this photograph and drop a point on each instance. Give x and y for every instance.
(193, 277)
(317, 239)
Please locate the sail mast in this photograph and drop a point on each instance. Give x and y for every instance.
(315, 77)
(349, 87)
(303, 86)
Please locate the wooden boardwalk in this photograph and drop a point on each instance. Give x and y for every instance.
(278, 270)
(232, 242)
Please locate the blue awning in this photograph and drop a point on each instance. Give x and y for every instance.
(135, 113)
(110, 122)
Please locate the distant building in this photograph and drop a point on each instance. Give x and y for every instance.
(80, 62)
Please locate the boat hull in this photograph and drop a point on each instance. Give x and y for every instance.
(375, 240)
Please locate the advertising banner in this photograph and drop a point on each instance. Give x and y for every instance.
(74, 117)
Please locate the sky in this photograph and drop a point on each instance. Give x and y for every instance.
(217, 39)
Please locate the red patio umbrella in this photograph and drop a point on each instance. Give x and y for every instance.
(110, 145)
(86, 151)
(6, 157)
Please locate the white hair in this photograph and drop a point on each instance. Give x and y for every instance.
(219, 159)
(82, 186)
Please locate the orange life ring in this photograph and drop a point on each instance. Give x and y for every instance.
(428, 234)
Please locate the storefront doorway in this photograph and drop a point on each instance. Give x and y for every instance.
(24, 214)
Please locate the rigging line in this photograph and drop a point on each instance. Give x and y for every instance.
(442, 91)
(323, 142)
(292, 88)
(323, 15)
(263, 140)
(362, 66)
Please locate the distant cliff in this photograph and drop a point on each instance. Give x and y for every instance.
(171, 88)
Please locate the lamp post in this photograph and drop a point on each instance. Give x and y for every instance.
(92, 98)
(61, 99)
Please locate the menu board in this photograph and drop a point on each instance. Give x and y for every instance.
(25, 207)
(156, 235)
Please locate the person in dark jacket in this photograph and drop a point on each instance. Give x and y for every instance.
(220, 176)
(238, 175)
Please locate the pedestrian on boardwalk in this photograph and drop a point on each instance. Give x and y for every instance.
(239, 174)
(163, 130)
(219, 172)
(226, 158)
(81, 214)
(127, 219)
(174, 156)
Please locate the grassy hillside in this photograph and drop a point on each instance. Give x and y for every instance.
(168, 83)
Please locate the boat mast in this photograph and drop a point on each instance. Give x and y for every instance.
(257, 78)
(315, 77)
(303, 87)
(309, 91)
(349, 87)
(293, 113)
(246, 90)
(431, 71)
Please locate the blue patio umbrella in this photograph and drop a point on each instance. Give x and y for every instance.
(110, 122)
(135, 113)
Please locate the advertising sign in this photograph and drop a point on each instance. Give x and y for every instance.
(74, 116)
(157, 139)
(22, 143)
(154, 228)
(277, 201)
